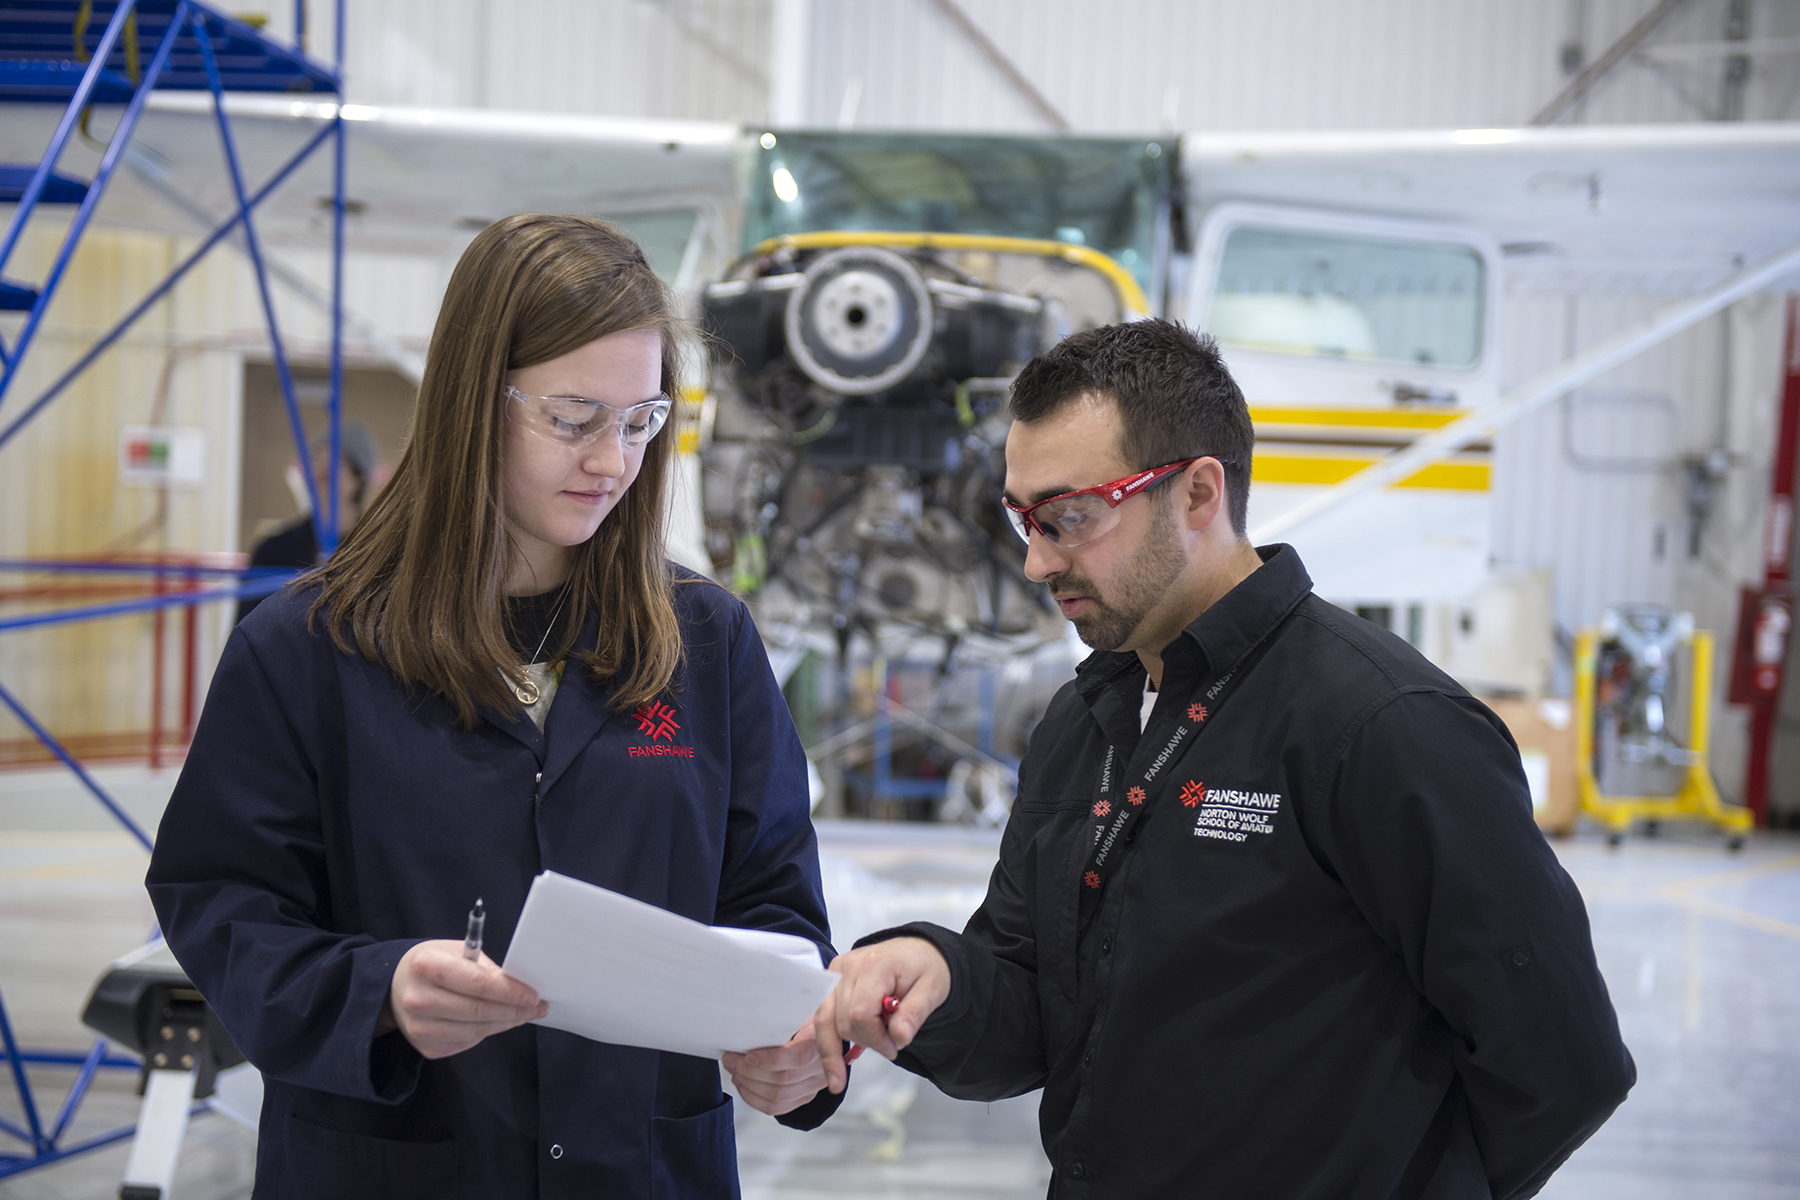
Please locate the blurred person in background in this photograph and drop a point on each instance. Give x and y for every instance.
(296, 545)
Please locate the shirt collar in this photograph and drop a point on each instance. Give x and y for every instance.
(1218, 638)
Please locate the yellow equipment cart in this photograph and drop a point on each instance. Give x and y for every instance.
(1638, 756)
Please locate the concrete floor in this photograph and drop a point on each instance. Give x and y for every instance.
(1700, 948)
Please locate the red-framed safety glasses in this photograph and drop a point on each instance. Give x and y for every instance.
(1077, 518)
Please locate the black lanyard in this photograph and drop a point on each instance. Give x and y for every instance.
(1156, 758)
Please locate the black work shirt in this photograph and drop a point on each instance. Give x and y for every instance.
(1381, 986)
(294, 546)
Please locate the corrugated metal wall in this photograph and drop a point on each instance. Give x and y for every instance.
(696, 59)
(1154, 65)
(1596, 486)
(1145, 66)
(1591, 485)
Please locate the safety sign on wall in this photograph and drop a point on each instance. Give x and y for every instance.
(160, 455)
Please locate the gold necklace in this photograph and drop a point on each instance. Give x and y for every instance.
(528, 692)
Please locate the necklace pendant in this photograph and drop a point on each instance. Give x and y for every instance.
(527, 692)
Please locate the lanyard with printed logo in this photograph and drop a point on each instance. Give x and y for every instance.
(1155, 759)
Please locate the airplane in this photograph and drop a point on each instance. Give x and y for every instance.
(1359, 428)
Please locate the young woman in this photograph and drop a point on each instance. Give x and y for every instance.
(498, 673)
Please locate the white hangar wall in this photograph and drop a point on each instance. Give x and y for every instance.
(677, 59)
(1594, 485)
(1130, 66)
(1153, 65)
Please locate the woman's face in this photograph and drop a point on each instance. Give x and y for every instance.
(556, 494)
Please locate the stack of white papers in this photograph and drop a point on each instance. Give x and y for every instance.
(618, 970)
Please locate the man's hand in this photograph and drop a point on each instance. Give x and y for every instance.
(443, 1003)
(779, 1079)
(909, 969)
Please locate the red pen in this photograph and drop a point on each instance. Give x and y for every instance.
(889, 1006)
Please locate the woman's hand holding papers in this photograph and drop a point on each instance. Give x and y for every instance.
(779, 1079)
(444, 1003)
(909, 969)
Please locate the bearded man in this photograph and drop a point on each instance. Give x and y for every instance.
(1271, 916)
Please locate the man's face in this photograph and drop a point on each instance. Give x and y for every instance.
(1110, 586)
(349, 482)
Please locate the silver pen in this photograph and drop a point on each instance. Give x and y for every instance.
(472, 939)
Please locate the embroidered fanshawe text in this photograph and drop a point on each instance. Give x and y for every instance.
(1232, 815)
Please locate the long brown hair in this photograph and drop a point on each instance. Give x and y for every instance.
(416, 585)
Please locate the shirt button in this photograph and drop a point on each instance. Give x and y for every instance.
(556, 1152)
(1076, 1170)
(540, 777)
(1088, 1057)
(1106, 945)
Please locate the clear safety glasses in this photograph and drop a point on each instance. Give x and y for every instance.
(1077, 518)
(573, 421)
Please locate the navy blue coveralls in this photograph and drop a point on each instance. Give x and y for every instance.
(326, 821)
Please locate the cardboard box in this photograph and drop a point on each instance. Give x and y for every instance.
(1545, 731)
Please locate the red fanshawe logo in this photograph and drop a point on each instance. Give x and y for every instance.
(656, 721)
(1091, 879)
(1196, 712)
(1192, 793)
(1135, 795)
(1102, 807)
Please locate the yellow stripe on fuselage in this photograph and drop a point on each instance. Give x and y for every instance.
(1324, 470)
(1358, 418)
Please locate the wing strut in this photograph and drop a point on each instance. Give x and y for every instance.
(1601, 67)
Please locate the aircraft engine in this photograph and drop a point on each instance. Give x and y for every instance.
(866, 483)
(859, 322)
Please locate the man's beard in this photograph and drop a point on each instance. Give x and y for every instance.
(1108, 625)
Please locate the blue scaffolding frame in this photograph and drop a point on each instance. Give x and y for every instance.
(116, 53)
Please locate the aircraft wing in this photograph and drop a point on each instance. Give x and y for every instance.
(420, 180)
(1582, 208)
(1656, 208)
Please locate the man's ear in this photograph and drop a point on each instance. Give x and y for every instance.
(1203, 489)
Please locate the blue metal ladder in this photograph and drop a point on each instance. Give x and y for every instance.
(115, 52)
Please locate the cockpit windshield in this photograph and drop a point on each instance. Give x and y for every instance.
(1105, 193)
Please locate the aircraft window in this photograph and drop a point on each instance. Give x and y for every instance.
(1338, 296)
(1098, 192)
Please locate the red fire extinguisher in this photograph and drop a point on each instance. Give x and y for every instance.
(1765, 619)
(1769, 653)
